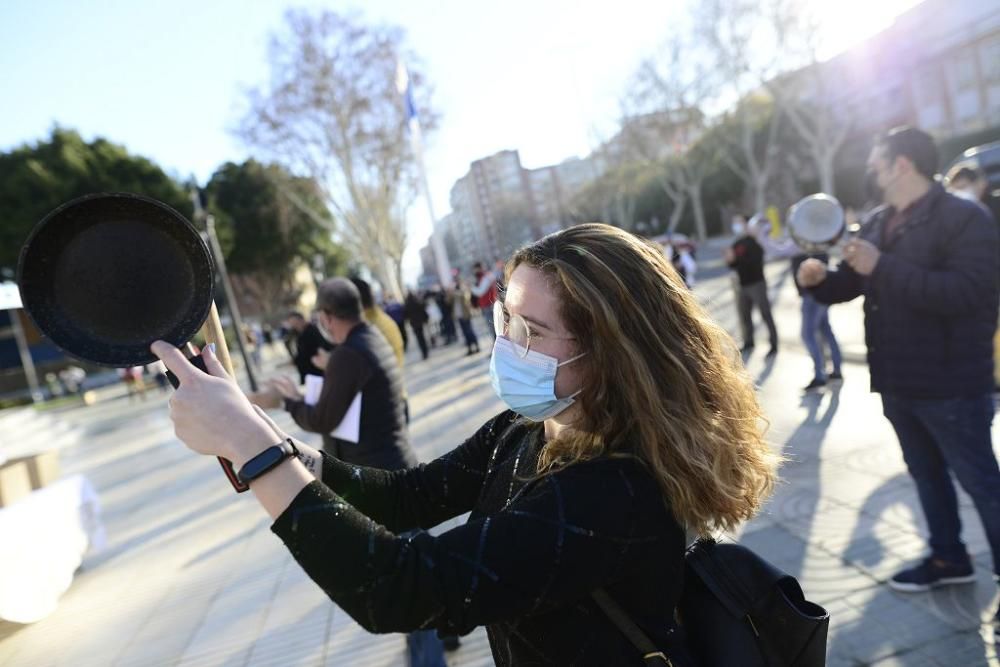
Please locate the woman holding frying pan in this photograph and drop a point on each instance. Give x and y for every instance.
(630, 420)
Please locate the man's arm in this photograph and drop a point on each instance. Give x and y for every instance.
(966, 280)
(840, 285)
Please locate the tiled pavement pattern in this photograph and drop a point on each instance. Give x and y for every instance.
(192, 575)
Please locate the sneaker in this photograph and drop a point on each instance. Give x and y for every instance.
(815, 384)
(931, 574)
(835, 376)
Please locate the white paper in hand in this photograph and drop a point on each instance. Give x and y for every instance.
(349, 427)
(314, 386)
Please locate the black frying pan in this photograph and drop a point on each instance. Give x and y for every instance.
(105, 275)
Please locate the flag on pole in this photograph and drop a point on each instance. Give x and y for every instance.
(405, 89)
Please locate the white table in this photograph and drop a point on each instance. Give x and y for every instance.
(43, 538)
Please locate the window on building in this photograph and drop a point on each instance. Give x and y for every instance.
(989, 59)
(962, 71)
(927, 87)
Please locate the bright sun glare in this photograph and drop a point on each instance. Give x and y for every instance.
(844, 23)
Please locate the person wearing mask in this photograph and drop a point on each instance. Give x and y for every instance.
(304, 341)
(630, 421)
(927, 264)
(746, 257)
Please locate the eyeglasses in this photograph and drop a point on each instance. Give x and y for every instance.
(515, 329)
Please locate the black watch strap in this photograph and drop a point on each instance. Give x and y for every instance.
(267, 460)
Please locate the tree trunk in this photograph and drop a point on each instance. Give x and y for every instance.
(701, 229)
(676, 213)
(759, 194)
(824, 165)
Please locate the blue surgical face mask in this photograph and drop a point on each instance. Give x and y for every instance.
(528, 385)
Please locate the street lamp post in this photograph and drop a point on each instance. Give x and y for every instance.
(227, 286)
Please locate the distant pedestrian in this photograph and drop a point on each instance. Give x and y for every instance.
(304, 341)
(485, 292)
(928, 265)
(464, 298)
(682, 259)
(378, 318)
(746, 257)
(413, 311)
(131, 377)
(816, 323)
(394, 309)
(434, 317)
(969, 181)
(159, 373)
(445, 298)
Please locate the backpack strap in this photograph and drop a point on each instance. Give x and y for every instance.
(650, 654)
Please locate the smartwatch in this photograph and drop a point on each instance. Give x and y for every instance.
(267, 460)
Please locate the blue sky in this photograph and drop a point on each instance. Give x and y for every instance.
(166, 78)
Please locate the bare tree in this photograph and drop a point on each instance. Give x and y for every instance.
(751, 41)
(804, 96)
(331, 110)
(666, 104)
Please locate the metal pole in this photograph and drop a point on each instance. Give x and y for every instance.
(27, 362)
(234, 309)
(437, 244)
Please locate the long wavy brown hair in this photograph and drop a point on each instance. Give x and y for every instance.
(661, 381)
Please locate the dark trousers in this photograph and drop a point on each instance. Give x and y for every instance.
(448, 330)
(402, 332)
(748, 297)
(418, 331)
(938, 435)
(816, 322)
(470, 336)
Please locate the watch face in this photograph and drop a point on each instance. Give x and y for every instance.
(263, 462)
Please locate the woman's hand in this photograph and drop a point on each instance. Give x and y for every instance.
(210, 413)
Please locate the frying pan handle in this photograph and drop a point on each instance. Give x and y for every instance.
(214, 333)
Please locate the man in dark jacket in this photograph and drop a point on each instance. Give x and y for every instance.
(304, 341)
(927, 265)
(362, 362)
(746, 256)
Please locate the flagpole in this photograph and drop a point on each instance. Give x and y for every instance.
(437, 244)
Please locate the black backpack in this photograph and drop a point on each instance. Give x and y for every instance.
(736, 609)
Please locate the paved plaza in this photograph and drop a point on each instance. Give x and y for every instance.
(192, 575)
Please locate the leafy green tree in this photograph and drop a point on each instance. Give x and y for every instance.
(36, 178)
(270, 224)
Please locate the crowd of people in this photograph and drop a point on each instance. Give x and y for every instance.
(631, 422)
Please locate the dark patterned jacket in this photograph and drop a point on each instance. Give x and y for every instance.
(523, 565)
